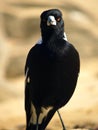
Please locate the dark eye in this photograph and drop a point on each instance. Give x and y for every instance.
(58, 19)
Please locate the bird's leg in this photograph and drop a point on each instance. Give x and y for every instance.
(61, 120)
(37, 123)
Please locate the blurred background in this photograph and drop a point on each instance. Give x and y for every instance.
(19, 31)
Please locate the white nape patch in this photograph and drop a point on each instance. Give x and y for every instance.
(44, 113)
(39, 41)
(33, 118)
(65, 37)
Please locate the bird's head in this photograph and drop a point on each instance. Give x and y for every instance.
(51, 23)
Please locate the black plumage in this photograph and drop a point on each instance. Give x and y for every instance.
(51, 69)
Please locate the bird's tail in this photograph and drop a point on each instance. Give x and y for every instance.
(47, 120)
(44, 123)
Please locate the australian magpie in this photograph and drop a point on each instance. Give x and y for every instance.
(51, 71)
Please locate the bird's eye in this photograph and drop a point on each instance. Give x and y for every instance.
(58, 19)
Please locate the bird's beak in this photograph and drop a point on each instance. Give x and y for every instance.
(51, 21)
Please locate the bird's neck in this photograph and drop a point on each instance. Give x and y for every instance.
(51, 36)
(54, 41)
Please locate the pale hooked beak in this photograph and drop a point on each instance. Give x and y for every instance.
(51, 21)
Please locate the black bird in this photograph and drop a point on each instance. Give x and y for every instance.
(51, 70)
